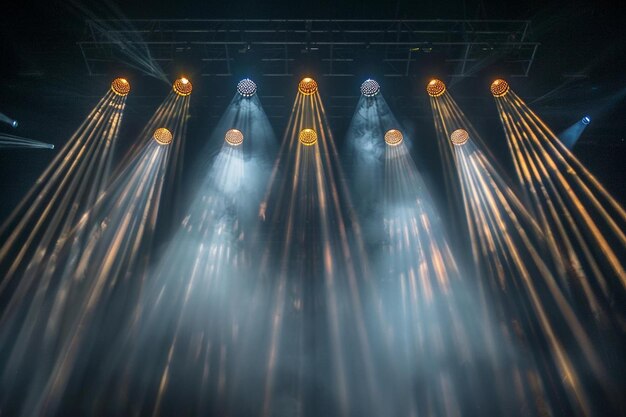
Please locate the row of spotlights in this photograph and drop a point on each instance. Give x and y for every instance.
(308, 86)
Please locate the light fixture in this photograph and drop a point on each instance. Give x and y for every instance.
(120, 86)
(307, 86)
(246, 87)
(163, 136)
(370, 88)
(499, 88)
(586, 120)
(182, 87)
(435, 88)
(459, 137)
(393, 137)
(233, 137)
(308, 137)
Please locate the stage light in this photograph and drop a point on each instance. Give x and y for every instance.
(307, 86)
(14, 124)
(435, 88)
(370, 88)
(162, 136)
(586, 120)
(393, 137)
(234, 137)
(499, 88)
(308, 137)
(120, 86)
(246, 87)
(182, 86)
(459, 137)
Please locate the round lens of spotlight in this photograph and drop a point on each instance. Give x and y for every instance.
(120, 86)
(162, 136)
(393, 137)
(14, 124)
(370, 88)
(435, 88)
(499, 88)
(586, 120)
(459, 137)
(246, 87)
(307, 86)
(308, 137)
(234, 137)
(182, 87)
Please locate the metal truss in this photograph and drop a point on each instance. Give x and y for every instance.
(400, 47)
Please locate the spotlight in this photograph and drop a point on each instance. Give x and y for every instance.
(308, 137)
(370, 88)
(307, 86)
(499, 88)
(162, 136)
(14, 124)
(246, 87)
(182, 87)
(459, 137)
(393, 137)
(120, 86)
(435, 88)
(586, 120)
(234, 137)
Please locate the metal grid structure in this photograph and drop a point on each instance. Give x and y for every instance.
(462, 47)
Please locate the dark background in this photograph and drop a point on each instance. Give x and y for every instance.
(579, 68)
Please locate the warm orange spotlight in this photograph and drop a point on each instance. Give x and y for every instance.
(459, 137)
(120, 86)
(307, 86)
(393, 137)
(162, 136)
(182, 87)
(234, 137)
(435, 88)
(308, 137)
(499, 88)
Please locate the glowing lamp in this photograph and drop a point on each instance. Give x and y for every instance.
(234, 137)
(308, 137)
(435, 88)
(162, 136)
(370, 88)
(246, 87)
(182, 87)
(393, 137)
(586, 120)
(459, 137)
(499, 88)
(307, 86)
(120, 86)
(14, 124)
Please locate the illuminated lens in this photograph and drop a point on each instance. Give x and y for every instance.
(435, 88)
(459, 136)
(370, 88)
(586, 120)
(234, 137)
(499, 88)
(307, 86)
(162, 136)
(393, 137)
(246, 87)
(182, 87)
(120, 86)
(308, 137)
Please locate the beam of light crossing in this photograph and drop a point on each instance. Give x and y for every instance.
(11, 141)
(507, 247)
(586, 227)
